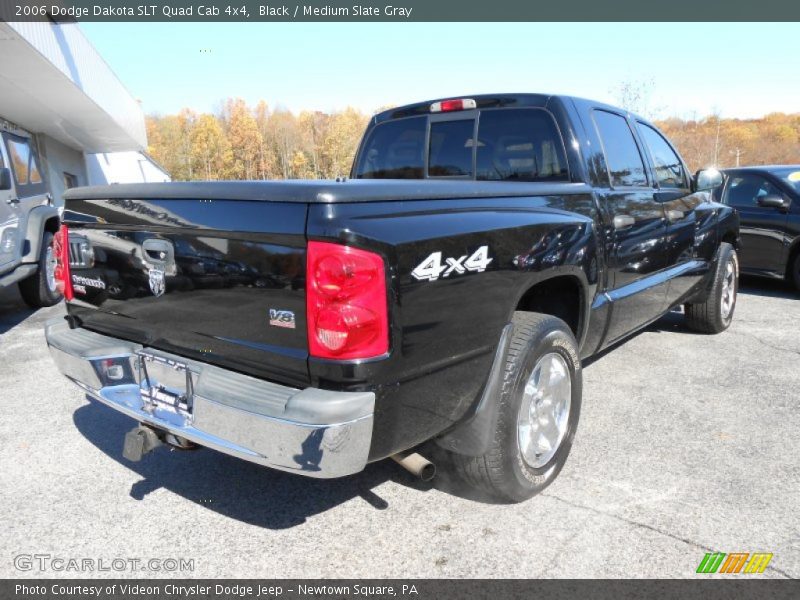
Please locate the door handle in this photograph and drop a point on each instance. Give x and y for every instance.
(12, 201)
(623, 221)
(674, 215)
(158, 251)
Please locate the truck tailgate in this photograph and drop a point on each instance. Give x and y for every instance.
(222, 281)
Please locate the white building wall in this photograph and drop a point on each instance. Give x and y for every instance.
(123, 167)
(57, 160)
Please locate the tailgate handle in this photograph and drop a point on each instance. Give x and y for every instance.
(158, 252)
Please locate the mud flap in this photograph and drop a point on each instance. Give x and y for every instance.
(474, 434)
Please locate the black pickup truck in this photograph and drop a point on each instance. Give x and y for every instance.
(446, 291)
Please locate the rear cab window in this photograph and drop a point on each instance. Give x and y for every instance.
(395, 150)
(511, 144)
(450, 148)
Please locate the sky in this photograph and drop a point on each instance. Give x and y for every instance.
(740, 70)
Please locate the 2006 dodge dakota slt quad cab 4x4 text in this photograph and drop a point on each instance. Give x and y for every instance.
(447, 291)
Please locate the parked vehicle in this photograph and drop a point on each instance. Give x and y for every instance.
(768, 202)
(28, 220)
(447, 291)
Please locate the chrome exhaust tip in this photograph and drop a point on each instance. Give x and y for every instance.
(415, 464)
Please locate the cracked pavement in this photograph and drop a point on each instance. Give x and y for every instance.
(687, 444)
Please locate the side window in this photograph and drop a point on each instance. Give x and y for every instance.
(23, 161)
(33, 171)
(520, 145)
(19, 153)
(451, 148)
(70, 180)
(394, 150)
(745, 190)
(668, 167)
(625, 164)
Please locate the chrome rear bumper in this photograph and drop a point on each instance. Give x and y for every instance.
(311, 432)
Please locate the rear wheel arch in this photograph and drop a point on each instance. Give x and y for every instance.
(562, 295)
(52, 224)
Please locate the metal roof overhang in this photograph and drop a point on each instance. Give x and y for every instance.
(52, 81)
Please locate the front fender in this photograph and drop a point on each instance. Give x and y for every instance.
(38, 218)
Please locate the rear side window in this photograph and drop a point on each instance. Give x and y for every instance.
(520, 145)
(394, 150)
(451, 148)
(669, 170)
(625, 164)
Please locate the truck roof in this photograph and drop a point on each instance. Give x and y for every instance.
(322, 191)
(509, 100)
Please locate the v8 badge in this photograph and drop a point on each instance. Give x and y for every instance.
(281, 318)
(432, 267)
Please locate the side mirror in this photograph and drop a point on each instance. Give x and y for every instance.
(773, 201)
(5, 179)
(707, 179)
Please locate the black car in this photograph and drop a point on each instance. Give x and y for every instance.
(768, 201)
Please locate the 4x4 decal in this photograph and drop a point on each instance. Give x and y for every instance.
(432, 268)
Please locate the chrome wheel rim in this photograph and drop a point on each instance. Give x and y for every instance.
(728, 290)
(544, 413)
(50, 268)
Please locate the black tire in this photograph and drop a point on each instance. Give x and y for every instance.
(502, 472)
(35, 290)
(710, 316)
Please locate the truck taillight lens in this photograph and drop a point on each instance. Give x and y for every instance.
(61, 253)
(346, 302)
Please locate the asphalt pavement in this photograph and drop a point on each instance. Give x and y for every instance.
(687, 444)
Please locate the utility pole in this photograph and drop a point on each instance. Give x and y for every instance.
(738, 152)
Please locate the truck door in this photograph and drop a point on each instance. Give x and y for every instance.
(673, 191)
(636, 230)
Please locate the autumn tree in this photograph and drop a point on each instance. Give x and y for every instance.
(170, 142)
(211, 150)
(244, 139)
(281, 138)
(340, 141)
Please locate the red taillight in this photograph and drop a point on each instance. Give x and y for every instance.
(346, 300)
(61, 252)
(451, 105)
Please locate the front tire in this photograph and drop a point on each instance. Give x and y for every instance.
(39, 290)
(716, 313)
(538, 409)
